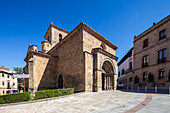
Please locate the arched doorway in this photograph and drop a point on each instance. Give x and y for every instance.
(107, 76)
(60, 82)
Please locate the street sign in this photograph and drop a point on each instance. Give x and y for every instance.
(21, 75)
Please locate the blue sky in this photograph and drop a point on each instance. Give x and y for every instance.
(26, 21)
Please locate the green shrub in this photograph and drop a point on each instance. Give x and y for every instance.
(15, 97)
(26, 96)
(52, 93)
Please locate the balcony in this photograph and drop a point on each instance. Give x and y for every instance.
(161, 60)
(127, 71)
(145, 64)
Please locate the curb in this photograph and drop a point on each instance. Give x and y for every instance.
(40, 100)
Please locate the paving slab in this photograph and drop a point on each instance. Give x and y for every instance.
(114, 101)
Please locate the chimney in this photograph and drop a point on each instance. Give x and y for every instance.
(135, 36)
(153, 23)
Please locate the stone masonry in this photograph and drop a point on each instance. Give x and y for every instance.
(81, 59)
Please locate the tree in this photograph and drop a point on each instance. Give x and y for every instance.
(20, 81)
(18, 70)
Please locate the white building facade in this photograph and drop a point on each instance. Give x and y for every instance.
(125, 69)
(7, 82)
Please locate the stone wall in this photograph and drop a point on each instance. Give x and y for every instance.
(91, 42)
(70, 63)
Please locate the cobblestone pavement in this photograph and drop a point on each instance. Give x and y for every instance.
(97, 102)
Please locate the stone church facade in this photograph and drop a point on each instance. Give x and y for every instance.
(81, 59)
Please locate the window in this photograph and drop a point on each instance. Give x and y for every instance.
(130, 65)
(161, 73)
(119, 74)
(162, 34)
(8, 85)
(144, 76)
(130, 79)
(145, 43)
(122, 71)
(8, 76)
(2, 83)
(13, 84)
(60, 37)
(145, 61)
(103, 46)
(2, 75)
(48, 38)
(125, 80)
(162, 56)
(3, 92)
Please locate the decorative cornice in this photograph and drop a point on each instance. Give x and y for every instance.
(105, 53)
(36, 53)
(97, 35)
(82, 25)
(163, 21)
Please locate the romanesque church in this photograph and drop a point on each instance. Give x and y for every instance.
(81, 59)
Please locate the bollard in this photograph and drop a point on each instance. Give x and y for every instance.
(156, 89)
(169, 89)
(127, 87)
(132, 87)
(145, 88)
(138, 88)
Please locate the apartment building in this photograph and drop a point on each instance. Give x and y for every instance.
(152, 55)
(7, 82)
(125, 69)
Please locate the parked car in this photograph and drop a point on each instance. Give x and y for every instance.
(11, 91)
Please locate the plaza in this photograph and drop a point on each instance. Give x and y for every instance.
(113, 101)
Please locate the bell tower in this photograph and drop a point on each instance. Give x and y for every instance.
(53, 36)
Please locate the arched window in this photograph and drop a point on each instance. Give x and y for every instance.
(60, 81)
(60, 37)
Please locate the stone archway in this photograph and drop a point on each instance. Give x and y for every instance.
(60, 81)
(107, 75)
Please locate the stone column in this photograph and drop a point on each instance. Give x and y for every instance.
(109, 81)
(31, 72)
(114, 82)
(105, 82)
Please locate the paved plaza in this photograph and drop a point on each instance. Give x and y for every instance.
(97, 102)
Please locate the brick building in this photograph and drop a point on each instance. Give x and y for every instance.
(81, 59)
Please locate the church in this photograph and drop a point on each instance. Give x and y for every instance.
(81, 59)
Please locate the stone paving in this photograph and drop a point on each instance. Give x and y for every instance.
(97, 102)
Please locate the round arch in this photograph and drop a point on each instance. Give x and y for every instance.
(109, 60)
(107, 74)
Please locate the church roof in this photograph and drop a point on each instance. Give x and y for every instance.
(91, 31)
